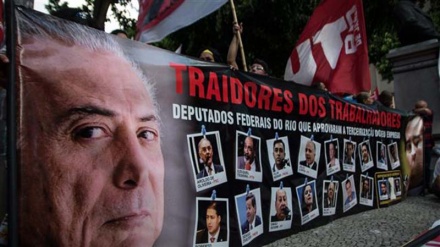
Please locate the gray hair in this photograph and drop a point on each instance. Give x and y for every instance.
(34, 24)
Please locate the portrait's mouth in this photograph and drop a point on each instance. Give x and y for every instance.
(132, 219)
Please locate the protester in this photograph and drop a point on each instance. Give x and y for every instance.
(258, 65)
(386, 98)
(210, 54)
(120, 33)
(364, 98)
(319, 85)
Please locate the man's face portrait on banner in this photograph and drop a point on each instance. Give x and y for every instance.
(91, 163)
(414, 150)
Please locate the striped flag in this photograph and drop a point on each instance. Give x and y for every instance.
(158, 18)
(333, 49)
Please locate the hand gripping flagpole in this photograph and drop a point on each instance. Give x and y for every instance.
(234, 15)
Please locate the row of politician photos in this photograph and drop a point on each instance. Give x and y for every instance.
(213, 230)
(212, 226)
(209, 168)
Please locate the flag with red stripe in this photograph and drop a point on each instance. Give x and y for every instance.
(333, 49)
(158, 18)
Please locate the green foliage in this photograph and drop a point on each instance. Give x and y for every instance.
(119, 11)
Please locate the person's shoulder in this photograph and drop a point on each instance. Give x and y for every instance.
(257, 220)
(199, 236)
(302, 162)
(223, 235)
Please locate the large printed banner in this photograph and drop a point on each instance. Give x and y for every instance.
(125, 144)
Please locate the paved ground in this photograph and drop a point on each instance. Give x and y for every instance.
(390, 226)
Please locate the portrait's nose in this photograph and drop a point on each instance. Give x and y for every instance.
(132, 167)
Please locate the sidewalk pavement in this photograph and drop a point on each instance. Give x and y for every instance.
(391, 226)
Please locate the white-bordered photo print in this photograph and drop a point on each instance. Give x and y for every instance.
(248, 206)
(381, 156)
(393, 153)
(332, 161)
(329, 197)
(398, 186)
(280, 209)
(349, 193)
(349, 157)
(383, 189)
(279, 157)
(212, 223)
(366, 190)
(365, 158)
(307, 201)
(206, 156)
(308, 157)
(248, 161)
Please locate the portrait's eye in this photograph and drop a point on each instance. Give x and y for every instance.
(148, 135)
(89, 132)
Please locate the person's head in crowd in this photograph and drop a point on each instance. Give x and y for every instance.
(91, 164)
(249, 149)
(414, 148)
(365, 185)
(386, 98)
(331, 191)
(348, 188)
(281, 204)
(251, 208)
(420, 104)
(365, 153)
(310, 152)
(260, 67)
(307, 197)
(279, 153)
(364, 98)
(383, 188)
(74, 14)
(210, 54)
(320, 85)
(213, 218)
(205, 152)
(120, 33)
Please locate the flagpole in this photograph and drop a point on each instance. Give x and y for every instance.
(234, 15)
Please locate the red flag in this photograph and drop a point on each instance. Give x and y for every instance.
(375, 94)
(158, 18)
(2, 28)
(333, 49)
